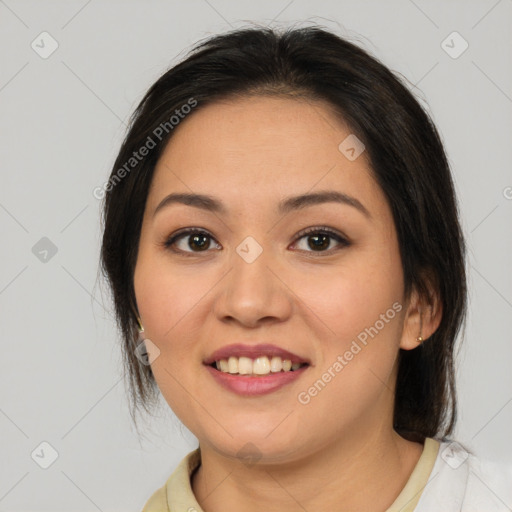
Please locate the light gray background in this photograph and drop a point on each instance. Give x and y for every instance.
(62, 120)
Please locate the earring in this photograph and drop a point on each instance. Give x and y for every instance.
(141, 329)
(419, 339)
(142, 350)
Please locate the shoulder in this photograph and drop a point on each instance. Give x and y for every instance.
(489, 484)
(177, 491)
(462, 481)
(157, 502)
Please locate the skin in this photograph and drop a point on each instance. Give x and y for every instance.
(339, 451)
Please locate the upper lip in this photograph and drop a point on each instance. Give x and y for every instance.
(253, 351)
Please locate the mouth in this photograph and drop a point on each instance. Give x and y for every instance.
(255, 360)
(260, 366)
(255, 370)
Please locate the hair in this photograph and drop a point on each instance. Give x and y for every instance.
(406, 157)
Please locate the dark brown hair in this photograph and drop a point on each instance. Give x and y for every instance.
(407, 159)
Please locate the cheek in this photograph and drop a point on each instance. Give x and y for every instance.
(352, 297)
(168, 301)
(165, 296)
(360, 303)
(353, 377)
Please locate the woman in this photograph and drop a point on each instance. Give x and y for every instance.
(281, 228)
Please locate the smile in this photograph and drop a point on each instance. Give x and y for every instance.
(262, 365)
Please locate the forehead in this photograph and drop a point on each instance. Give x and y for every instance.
(261, 149)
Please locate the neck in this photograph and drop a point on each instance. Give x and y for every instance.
(359, 473)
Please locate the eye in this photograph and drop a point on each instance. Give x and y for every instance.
(319, 238)
(200, 241)
(195, 238)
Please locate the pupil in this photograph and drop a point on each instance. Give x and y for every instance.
(195, 238)
(324, 243)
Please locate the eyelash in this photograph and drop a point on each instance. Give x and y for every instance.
(322, 230)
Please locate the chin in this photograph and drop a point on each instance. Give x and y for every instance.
(252, 447)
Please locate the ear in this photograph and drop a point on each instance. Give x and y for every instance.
(422, 317)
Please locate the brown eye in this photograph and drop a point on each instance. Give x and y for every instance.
(319, 239)
(202, 242)
(194, 241)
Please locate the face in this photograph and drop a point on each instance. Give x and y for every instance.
(321, 280)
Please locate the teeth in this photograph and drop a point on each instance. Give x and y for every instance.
(276, 364)
(233, 365)
(244, 366)
(262, 365)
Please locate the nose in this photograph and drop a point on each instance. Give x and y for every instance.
(254, 291)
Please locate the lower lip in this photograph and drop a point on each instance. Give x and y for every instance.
(254, 386)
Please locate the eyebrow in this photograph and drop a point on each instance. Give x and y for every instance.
(287, 205)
